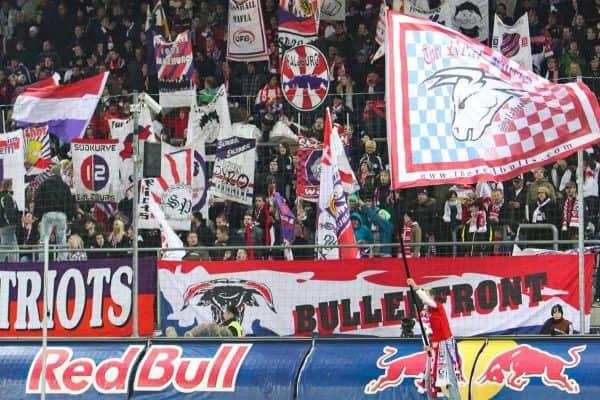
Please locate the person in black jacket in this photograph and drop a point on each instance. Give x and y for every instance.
(54, 206)
(9, 218)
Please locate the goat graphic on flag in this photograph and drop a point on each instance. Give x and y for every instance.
(465, 113)
(333, 226)
(66, 109)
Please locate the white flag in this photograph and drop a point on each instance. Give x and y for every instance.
(169, 238)
(12, 163)
(513, 41)
(380, 32)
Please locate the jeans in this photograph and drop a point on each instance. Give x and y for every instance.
(57, 220)
(8, 241)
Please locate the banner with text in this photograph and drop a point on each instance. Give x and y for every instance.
(175, 64)
(247, 40)
(233, 174)
(86, 298)
(38, 155)
(298, 23)
(95, 169)
(172, 191)
(495, 295)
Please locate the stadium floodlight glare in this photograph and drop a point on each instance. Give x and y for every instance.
(146, 99)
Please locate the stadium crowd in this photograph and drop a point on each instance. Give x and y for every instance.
(80, 38)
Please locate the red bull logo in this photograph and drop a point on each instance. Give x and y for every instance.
(396, 369)
(514, 368)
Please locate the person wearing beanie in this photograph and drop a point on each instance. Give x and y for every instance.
(557, 324)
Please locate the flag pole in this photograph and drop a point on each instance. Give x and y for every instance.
(580, 238)
(45, 316)
(136, 108)
(413, 295)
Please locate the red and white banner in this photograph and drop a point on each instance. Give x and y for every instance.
(513, 40)
(247, 40)
(12, 163)
(175, 68)
(172, 191)
(95, 169)
(297, 23)
(460, 113)
(333, 220)
(304, 77)
(483, 296)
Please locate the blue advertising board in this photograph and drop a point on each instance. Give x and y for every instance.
(220, 370)
(498, 369)
(83, 369)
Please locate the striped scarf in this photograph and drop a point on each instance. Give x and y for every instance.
(570, 217)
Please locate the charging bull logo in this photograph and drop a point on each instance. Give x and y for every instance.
(218, 294)
(476, 97)
(516, 366)
(396, 369)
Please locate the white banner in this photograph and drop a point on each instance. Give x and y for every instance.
(421, 9)
(172, 191)
(95, 169)
(513, 41)
(12, 163)
(247, 40)
(333, 10)
(233, 174)
(469, 17)
(482, 296)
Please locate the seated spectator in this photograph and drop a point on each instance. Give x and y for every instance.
(76, 243)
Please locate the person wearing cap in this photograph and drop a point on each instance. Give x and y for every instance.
(230, 321)
(444, 364)
(557, 325)
(540, 180)
(569, 226)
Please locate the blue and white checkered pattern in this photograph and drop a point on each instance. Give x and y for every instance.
(430, 111)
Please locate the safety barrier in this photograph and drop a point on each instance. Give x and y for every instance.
(507, 368)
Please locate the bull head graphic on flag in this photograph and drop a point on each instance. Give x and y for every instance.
(218, 294)
(476, 97)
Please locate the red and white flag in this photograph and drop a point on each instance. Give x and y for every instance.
(460, 112)
(334, 226)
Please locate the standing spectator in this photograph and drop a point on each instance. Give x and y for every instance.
(382, 227)
(100, 243)
(118, 238)
(542, 211)
(366, 180)
(515, 214)
(285, 168)
(54, 206)
(251, 235)
(28, 234)
(270, 98)
(75, 244)
(372, 156)
(451, 220)
(569, 226)
(383, 196)
(411, 233)
(223, 240)
(591, 174)
(539, 180)
(476, 229)
(425, 213)
(9, 218)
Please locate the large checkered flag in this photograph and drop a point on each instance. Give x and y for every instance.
(465, 113)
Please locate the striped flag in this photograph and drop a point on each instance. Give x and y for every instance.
(333, 225)
(66, 109)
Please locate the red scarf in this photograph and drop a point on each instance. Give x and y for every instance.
(570, 218)
(495, 211)
(267, 224)
(406, 236)
(478, 223)
(249, 243)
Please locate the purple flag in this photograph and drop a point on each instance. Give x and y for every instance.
(287, 218)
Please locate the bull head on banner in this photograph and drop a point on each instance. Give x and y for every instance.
(476, 97)
(218, 294)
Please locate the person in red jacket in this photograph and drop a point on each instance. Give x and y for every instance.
(444, 364)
